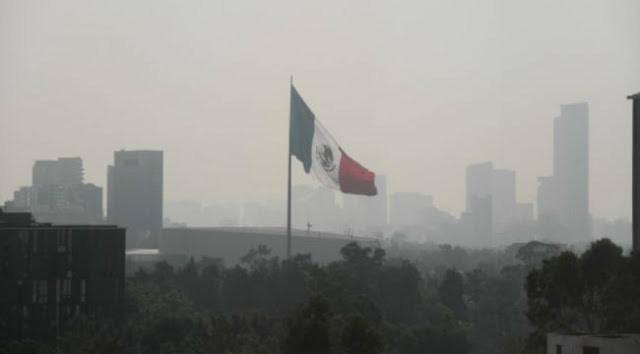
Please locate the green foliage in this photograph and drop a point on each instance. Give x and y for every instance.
(358, 336)
(308, 330)
(596, 292)
(451, 292)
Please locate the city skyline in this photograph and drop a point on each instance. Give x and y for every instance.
(82, 74)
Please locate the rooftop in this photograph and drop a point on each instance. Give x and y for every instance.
(280, 231)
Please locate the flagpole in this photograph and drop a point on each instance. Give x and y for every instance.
(289, 183)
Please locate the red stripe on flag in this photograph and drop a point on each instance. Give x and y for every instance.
(354, 178)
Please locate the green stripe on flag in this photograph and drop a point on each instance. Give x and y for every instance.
(301, 129)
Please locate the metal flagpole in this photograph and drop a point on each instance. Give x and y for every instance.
(289, 183)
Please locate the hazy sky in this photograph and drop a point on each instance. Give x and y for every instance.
(416, 90)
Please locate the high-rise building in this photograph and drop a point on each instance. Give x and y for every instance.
(134, 195)
(490, 188)
(63, 172)
(479, 182)
(564, 197)
(503, 195)
(59, 195)
(50, 274)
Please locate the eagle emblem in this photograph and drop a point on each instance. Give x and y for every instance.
(325, 156)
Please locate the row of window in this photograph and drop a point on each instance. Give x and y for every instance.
(63, 290)
(38, 240)
(585, 349)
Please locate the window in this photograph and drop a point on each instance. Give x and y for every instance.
(34, 242)
(25, 317)
(43, 292)
(66, 288)
(34, 290)
(83, 290)
(61, 241)
(590, 350)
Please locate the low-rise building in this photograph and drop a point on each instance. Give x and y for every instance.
(593, 343)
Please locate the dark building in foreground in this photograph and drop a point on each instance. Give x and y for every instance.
(49, 273)
(231, 243)
(636, 170)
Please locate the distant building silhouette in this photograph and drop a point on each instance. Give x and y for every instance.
(563, 199)
(365, 214)
(135, 189)
(491, 193)
(375, 208)
(408, 208)
(64, 172)
(50, 273)
(59, 195)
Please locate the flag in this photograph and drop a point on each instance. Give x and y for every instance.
(321, 155)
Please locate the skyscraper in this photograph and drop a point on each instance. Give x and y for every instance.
(134, 195)
(564, 197)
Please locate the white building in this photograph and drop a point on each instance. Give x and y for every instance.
(593, 343)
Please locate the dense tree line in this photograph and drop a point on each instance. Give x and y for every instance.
(595, 292)
(366, 303)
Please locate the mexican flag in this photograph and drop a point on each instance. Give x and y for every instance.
(321, 155)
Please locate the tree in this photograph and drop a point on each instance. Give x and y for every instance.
(451, 292)
(308, 330)
(596, 292)
(358, 336)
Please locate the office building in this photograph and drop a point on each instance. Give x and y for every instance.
(50, 273)
(59, 195)
(63, 172)
(134, 195)
(494, 189)
(564, 197)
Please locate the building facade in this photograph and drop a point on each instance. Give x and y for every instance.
(49, 274)
(134, 195)
(490, 203)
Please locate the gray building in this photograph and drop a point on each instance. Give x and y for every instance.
(490, 193)
(59, 195)
(63, 172)
(564, 197)
(134, 195)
